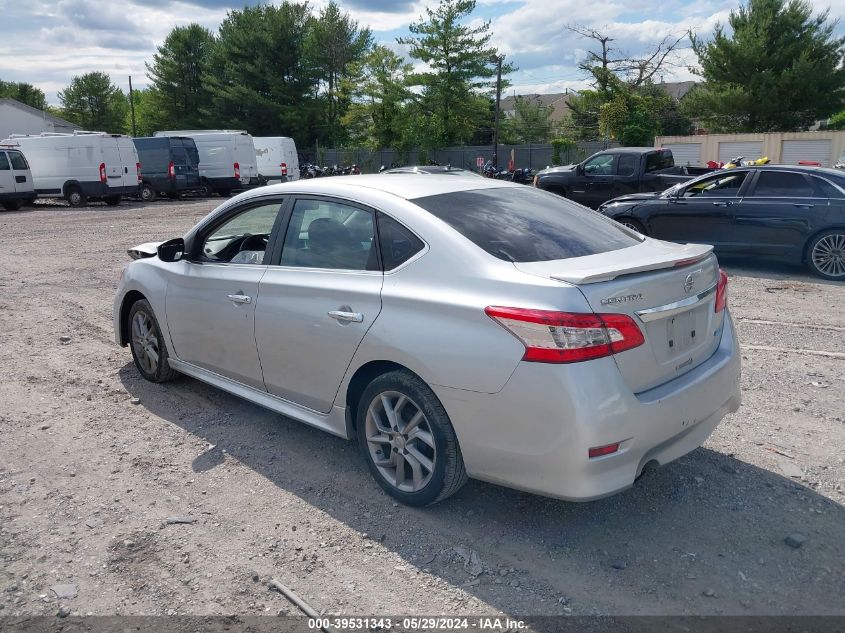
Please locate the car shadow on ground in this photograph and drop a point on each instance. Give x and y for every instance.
(705, 534)
(762, 269)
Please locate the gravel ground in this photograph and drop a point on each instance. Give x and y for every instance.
(94, 461)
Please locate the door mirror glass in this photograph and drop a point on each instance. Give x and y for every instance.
(171, 250)
(579, 169)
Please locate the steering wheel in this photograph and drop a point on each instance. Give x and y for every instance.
(254, 243)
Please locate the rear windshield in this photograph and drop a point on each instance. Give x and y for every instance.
(527, 225)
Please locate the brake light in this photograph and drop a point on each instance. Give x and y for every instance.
(171, 170)
(138, 171)
(284, 167)
(237, 170)
(722, 291)
(103, 177)
(567, 337)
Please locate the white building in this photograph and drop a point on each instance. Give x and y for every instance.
(19, 118)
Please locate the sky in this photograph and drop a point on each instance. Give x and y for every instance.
(47, 43)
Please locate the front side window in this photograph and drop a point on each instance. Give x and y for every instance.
(330, 234)
(601, 165)
(526, 224)
(243, 238)
(722, 186)
(783, 184)
(4, 162)
(18, 161)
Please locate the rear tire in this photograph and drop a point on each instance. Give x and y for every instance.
(75, 197)
(12, 205)
(205, 189)
(224, 193)
(112, 201)
(148, 193)
(399, 408)
(149, 350)
(826, 255)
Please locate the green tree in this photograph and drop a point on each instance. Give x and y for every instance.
(149, 114)
(531, 122)
(335, 42)
(460, 65)
(779, 68)
(177, 76)
(377, 116)
(259, 76)
(93, 102)
(23, 92)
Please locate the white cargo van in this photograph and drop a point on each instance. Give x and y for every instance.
(15, 178)
(277, 159)
(81, 166)
(227, 159)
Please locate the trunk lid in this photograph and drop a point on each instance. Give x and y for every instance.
(670, 292)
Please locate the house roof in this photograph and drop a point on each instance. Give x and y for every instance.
(40, 113)
(677, 89)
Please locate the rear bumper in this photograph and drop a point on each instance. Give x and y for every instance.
(26, 196)
(535, 433)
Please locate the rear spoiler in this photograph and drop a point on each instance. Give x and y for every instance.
(650, 255)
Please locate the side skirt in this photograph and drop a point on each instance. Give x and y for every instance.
(333, 422)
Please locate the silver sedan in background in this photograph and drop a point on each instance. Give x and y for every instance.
(456, 327)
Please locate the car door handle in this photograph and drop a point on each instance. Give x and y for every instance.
(347, 317)
(239, 298)
(722, 204)
(803, 206)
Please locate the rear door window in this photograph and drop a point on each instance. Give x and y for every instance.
(527, 225)
(18, 161)
(397, 243)
(626, 165)
(4, 162)
(180, 156)
(783, 184)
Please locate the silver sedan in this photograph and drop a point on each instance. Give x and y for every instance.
(455, 327)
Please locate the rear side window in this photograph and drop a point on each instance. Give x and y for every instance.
(827, 189)
(527, 225)
(4, 162)
(658, 160)
(783, 184)
(397, 243)
(18, 161)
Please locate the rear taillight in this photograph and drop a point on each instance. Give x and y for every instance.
(171, 170)
(600, 451)
(284, 167)
(138, 171)
(237, 170)
(722, 291)
(567, 337)
(103, 177)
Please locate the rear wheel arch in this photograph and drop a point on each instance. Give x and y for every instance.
(806, 250)
(131, 297)
(362, 377)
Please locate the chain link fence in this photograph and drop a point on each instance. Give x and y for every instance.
(536, 157)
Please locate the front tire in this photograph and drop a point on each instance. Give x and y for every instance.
(112, 201)
(826, 255)
(12, 205)
(149, 350)
(408, 441)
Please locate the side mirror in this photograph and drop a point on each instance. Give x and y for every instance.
(171, 250)
(579, 169)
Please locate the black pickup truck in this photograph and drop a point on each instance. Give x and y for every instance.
(616, 172)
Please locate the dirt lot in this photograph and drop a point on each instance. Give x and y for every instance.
(93, 461)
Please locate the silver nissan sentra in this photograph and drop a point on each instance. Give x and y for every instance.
(456, 327)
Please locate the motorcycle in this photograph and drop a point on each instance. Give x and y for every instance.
(524, 176)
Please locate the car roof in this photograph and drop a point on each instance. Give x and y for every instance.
(407, 186)
(807, 169)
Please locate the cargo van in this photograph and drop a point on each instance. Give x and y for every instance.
(169, 166)
(16, 186)
(277, 159)
(227, 159)
(81, 166)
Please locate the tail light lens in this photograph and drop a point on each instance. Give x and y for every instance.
(567, 337)
(237, 170)
(284, 167)
(171, 170)
(722, 291)
(103, 177)
(138, 171)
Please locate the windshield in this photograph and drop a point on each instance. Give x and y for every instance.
(527, 225)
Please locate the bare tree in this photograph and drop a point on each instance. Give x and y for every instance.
(633, 70)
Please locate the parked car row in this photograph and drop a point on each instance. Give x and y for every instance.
(86, 166)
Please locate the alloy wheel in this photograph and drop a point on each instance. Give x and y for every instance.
(145, 341)
(400, 441)
(828, 255)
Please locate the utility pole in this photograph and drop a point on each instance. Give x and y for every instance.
(132, 106)
(498, 103)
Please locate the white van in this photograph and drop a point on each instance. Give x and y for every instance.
(277, 158)
(227, 159)
(81, 166)
(16, 186)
